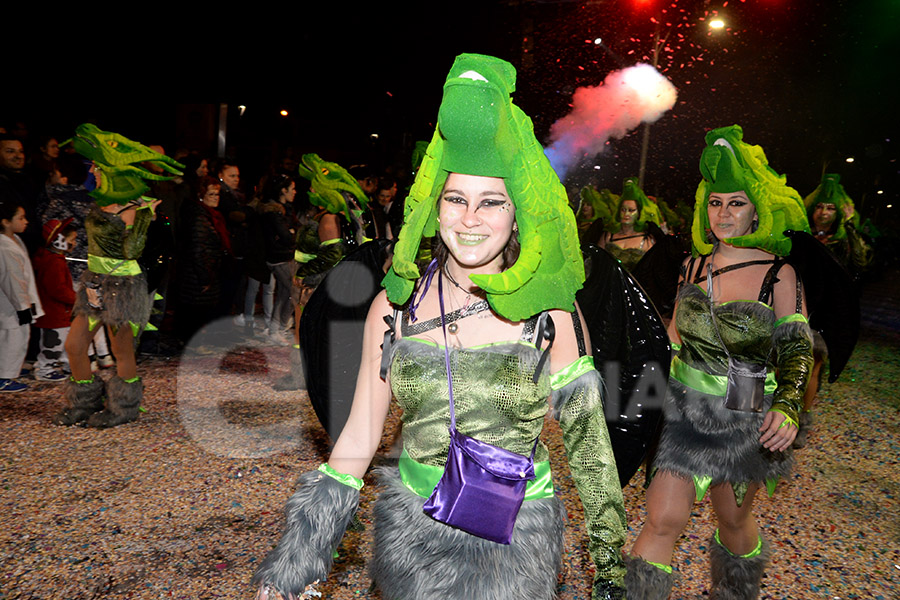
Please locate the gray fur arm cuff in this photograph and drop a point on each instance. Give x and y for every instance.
(316, 517)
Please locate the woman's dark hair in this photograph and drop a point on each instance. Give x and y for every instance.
(73, 168)
(274, 184)
(204, 183)
(191, 164)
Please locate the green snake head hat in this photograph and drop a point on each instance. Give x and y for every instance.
(597, 201)
(328, 183)
(647, 209)
(114, 155)
(830, 191)
(728, 164)
(481, 132)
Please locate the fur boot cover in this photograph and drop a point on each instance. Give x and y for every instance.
(316, 517)
(806, 422)
(418, 557)
(122, 402)
(84, 400)
(734, 577)
(295, 380)
(644, 581)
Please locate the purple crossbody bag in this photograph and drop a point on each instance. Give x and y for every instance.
(483, 486)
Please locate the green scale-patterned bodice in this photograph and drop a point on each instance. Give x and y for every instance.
(629, 257)
(495, 396)
(746, 328)
(109, 237)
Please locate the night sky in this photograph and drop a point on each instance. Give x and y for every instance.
(811, 81)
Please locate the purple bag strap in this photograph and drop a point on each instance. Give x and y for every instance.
(447, 358)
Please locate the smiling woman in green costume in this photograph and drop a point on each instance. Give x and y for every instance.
(715, 440)
(507, 262)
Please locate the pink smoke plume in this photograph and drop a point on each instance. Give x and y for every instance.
(625, 99)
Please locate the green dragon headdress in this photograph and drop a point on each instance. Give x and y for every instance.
(647, 209)
(120, 181)
(328, 182)
(831, 191)
(728, 164)
(598, 201)
(481, 132)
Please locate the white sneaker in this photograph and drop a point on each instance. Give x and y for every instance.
(239, 320)
(278, 338)
(106, 361)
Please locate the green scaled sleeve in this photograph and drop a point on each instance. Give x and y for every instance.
(329, 255)
(136, 236)
(793, 354)
(860, 251)
(578, 405)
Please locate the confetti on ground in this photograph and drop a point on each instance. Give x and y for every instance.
(185, 502)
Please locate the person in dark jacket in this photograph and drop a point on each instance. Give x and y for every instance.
(278, 236)
(204, 245)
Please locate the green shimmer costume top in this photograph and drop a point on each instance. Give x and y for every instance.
(497, 401)
(629, 257)
(110, 238)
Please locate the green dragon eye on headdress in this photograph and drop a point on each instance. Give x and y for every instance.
(830, 191)
(328, 183)
(648, 210)
(481, 132)
(728, 164)
(121, 180)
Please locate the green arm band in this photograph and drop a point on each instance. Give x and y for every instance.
(565, 376)
(793, 351)
(330, 254)
(348, 480)
(579, 408)
(787, 419)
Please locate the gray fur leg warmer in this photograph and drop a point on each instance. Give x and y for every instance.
(84, 400)
(806, 421)
(316, 517)
(418, 557)
(123, 399)
(736, 577)
(295, 380)
(645, 581)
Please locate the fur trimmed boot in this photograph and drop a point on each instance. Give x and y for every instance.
(85, 398)
(123, 398)
(295, 380)
(736, 577)
(316, 517)
(647, 581)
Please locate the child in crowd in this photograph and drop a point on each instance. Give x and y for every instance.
(19, 302)
(57, 293)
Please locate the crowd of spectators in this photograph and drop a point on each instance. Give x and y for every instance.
(220, 249)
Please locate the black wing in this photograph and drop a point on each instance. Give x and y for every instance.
(831, 297)
(631, 350)
(331, 332)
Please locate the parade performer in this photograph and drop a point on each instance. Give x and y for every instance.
(629, 237)
(736, 384)
(494, 304)
(334, 226)
(835, 223)
(114, 288)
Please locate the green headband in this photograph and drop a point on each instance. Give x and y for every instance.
(830, 191)
(648, 211)
(481, 132)
(328, 183)
(730, 165)
(120, 180)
